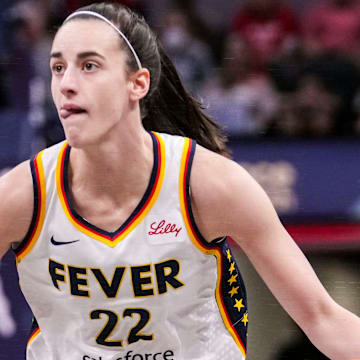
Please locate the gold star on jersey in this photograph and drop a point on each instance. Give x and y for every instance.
(238, 302)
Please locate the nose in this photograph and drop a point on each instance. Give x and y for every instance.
(69, 82)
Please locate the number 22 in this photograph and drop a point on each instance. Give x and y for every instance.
(134, 333)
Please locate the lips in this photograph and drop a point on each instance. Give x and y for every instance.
(70, 109)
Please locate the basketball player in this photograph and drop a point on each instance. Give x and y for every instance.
(119, 232)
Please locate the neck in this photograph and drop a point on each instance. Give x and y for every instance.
(118, 167)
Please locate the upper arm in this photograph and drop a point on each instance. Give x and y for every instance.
(16, 205)
(228, 201)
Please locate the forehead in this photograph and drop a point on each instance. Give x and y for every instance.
(86, 34)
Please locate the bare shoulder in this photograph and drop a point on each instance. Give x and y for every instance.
(213, 175)
(16, 206)
(226, 200)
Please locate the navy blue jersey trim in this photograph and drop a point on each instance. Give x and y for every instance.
(35, 210)
(236, 316)
(236, 287)
(34, 326)
(188, 197)
(136, 210)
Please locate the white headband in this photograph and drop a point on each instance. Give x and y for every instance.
(93, 13)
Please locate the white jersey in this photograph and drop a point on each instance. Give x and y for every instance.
(152, 290)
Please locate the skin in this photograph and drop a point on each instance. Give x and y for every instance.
(110, 132)
(95, 135)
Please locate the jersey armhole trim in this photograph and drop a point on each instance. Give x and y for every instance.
(34, 332)
(32, 337)
(201, 244)
(38, 177)
(185, 193)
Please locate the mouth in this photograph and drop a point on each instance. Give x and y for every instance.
(67, 111)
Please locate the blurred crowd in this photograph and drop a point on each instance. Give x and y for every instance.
(261, 68)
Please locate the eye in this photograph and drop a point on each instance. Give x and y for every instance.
(90, 67)
(58, 68)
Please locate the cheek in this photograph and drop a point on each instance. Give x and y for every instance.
(54, 91)
(111, 99)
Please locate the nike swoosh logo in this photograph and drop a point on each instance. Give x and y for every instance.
(56, 243)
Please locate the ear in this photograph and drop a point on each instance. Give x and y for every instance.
(139, 84)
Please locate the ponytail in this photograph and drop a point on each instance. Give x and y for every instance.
(172, 109)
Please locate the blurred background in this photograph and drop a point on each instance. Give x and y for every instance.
(281, 76)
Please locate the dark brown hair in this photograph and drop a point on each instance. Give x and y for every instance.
(168, 107)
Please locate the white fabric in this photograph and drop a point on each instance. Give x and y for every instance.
(184, 321)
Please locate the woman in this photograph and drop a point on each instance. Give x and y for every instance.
(122, 252)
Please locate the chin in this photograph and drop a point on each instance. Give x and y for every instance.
(74, 139)
(79, 142)
(74, 144)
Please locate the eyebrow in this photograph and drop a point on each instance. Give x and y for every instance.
(81, 55)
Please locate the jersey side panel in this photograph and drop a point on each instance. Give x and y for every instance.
(230, 290)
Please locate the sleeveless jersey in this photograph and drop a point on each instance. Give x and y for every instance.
(152, 290)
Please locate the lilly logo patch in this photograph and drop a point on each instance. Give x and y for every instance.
(162, 227)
